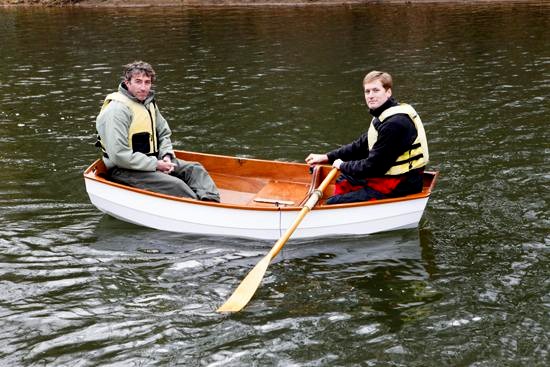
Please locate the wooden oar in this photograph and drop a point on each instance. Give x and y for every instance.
(244, 292)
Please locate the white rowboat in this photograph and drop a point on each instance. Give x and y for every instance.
(259, 199)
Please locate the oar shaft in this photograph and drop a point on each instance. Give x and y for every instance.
(290, 230)
(308, 206)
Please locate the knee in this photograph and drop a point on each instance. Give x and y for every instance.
(196, 168)
(197, 165)
(190, 165)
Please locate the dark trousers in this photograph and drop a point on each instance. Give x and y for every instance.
(410, 183)
(189, 180)
(359, 191)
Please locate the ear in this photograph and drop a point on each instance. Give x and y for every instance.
(388, 92)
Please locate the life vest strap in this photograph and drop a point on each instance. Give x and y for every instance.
(155, 154)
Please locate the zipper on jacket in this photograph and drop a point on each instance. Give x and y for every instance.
(153, 130)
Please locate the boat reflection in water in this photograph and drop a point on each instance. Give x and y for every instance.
(387, 276)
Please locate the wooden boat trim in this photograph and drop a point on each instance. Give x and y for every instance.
(91, 173)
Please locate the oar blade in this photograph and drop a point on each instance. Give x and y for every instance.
(244, 292)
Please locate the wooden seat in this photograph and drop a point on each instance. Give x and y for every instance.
(235, 197)
(280, 193)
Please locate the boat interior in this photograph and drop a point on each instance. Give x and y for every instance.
(259, 183)
(264, 191)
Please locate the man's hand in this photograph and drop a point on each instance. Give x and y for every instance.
(314, 159)
(337, 163)
(165, 165)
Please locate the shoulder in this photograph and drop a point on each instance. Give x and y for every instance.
(117, 106)
(401, 118)
(400, 122)
(116, 110)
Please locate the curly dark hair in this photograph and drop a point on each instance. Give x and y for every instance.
(141, 67)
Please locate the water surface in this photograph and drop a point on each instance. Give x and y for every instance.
(470, 287)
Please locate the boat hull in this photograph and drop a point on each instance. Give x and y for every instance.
(262, 221)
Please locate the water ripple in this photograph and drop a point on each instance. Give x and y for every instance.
(470, 287)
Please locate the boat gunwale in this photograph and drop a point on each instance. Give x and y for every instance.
(90, 174)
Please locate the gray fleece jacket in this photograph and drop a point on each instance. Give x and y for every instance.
(113, 125)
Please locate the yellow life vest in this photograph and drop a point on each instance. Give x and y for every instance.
(142, 135)
(417, 156)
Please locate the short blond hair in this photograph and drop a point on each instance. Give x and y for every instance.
(385, 78)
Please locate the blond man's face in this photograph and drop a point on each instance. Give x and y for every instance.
(375, 94)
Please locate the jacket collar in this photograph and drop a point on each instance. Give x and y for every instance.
(378, 111)
(124, 90)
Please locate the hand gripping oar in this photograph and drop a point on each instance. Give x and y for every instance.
(244, 292)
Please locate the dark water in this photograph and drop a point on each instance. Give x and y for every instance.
(470, 287)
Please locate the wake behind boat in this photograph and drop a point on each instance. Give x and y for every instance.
(259, 199)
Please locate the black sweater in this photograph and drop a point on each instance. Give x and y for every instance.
(395, 136)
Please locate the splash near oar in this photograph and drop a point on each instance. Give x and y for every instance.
(244, 292)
